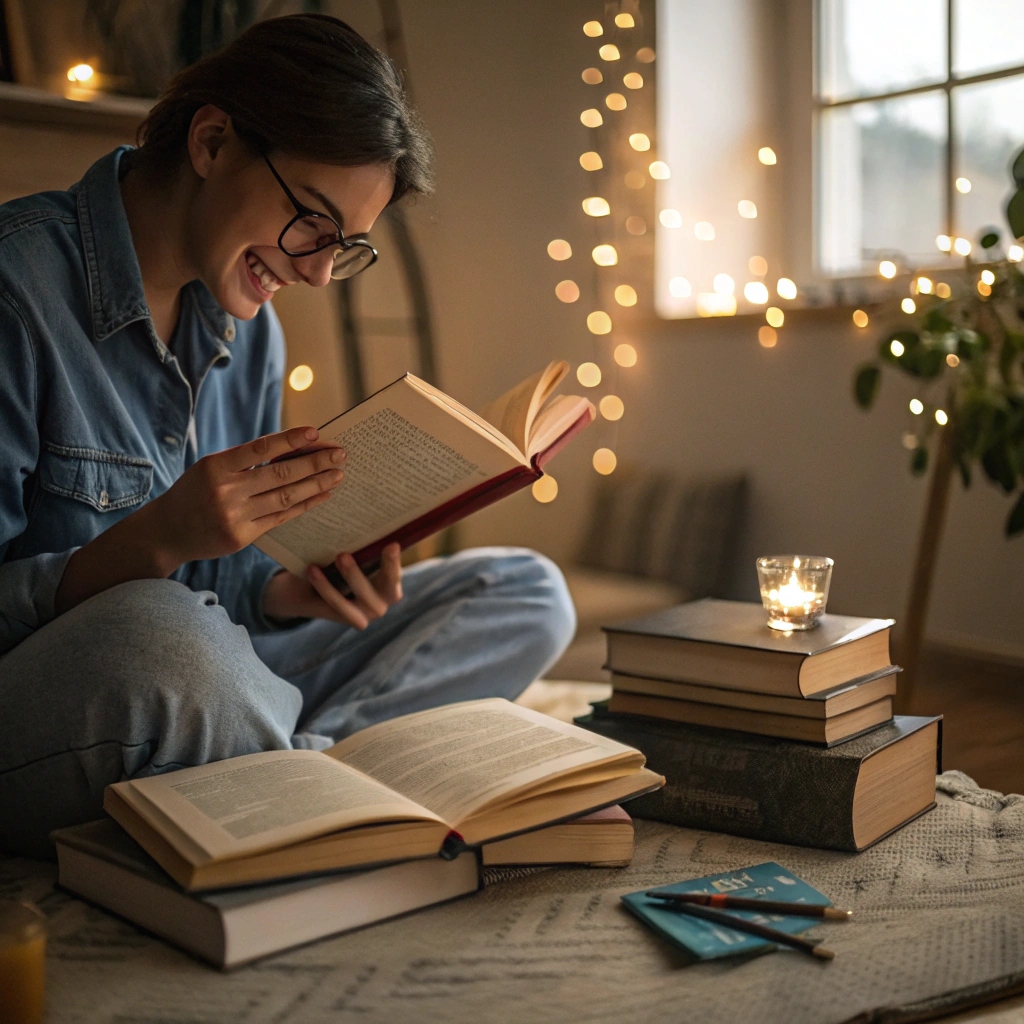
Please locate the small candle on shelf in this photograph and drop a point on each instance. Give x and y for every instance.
(794, 589)
(22, 963)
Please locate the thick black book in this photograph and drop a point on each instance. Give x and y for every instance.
(845, 797)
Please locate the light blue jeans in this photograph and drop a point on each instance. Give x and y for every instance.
(150, 676)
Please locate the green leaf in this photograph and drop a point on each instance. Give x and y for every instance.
(936, 321)
(919, 461)
(1015, 521)
(989, 239)
(865, 385)
(1015, 213)
(1018, 169)
(999, 467)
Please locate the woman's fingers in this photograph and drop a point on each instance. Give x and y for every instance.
(284, 498)
(366, 595)
(345, 609)
(263, 449)
(388, 580)
(276, 475)
(260, 525)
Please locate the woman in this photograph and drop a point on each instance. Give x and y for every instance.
(140, 373)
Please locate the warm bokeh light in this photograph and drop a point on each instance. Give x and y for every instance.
(545, 489)
(704, 230)
(944, 242)
(988, 277)
(952, 360)
(767, 337)
(592, 118)
(82, 73)
(860, 318)
(640, 142)
(670, 218)
(625, 354)
(767, 156)
(757, 265)
(1015, 253)
(300, 378)
(605, 461)
(786, 288)
(605, 255)
(588, 374)
(924, 285)
(609, 52)
(908, 305)
(595, 206)
(559, 249)
(713, 304)
(984, 290)
(887, 269)
(963, 185)
(567, 291)
(645, 55)
(962, 247)
(774, 316)
(599, 322)
(593, 76)
(624, 20)
(625, 295)
(679, 288)
(615, 101)
(943, 290)
(636, 225)
(635, 179)
(746, 209)
(611, 407)
(916, 406)
(940, 417)
(896, 347)
(659, 171)
(756, 292)
(633, 80)
(591, 161)
(723, 284)
(909, 440)
(593, 29)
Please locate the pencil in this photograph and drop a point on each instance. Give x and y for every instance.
(751, 928)
(724, 902)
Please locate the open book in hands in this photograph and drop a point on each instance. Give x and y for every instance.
(419, 461)
(443, 779)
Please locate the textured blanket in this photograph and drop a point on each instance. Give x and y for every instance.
(939, 923)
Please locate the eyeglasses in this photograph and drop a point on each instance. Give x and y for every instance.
(310, 231)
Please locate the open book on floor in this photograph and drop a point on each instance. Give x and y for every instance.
(431, 782)
(419, 461)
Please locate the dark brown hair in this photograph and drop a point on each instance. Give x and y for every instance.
(307, 85)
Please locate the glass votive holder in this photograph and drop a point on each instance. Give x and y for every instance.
(794, 589)
(22, 963)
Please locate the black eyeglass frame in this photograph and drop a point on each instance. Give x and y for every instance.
(301, 212)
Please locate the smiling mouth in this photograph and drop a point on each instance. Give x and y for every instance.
(261, 275)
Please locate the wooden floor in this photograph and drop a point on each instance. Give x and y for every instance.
(983, 724)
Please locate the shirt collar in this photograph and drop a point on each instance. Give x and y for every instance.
(115, 280)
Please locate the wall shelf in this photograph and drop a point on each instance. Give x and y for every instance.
(105, 113)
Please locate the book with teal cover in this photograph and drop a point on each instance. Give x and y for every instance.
(708, 941)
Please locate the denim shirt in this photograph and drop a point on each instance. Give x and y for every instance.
(97, 415)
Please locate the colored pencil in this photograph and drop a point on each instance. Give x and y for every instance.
(724, 902)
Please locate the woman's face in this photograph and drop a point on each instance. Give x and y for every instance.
(240, 211)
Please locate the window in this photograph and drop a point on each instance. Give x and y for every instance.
(920, 107)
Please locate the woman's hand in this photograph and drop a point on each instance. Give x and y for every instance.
(227, 500)
(287, 596)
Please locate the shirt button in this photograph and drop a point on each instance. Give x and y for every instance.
(171, 440)
(229, 332)
(104, 499)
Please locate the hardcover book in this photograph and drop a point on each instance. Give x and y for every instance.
(433, 782)
(419, 461)
(101, 863)
(846, 797)
(707, 941)
(603, 839)
(728, 644)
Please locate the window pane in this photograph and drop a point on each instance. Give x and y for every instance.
(881, 181)
(875, 46)
(987, 35)
(989, 129)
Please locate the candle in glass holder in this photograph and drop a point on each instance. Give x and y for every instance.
(794, 589)
(22, 963)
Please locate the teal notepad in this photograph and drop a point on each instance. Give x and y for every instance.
(709, 941)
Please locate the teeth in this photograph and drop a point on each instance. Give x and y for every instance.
(268, 280)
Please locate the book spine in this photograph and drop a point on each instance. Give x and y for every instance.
(723, 781)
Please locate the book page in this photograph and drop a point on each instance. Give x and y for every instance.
(458, 758)
(514, 412)
(260, 801)
(554, 420)
(407, 455)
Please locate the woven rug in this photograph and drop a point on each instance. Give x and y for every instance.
(939, 923)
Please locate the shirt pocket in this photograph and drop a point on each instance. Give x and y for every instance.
(105, 480)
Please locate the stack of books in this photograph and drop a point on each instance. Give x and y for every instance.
(788, 737)
(241, 858)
